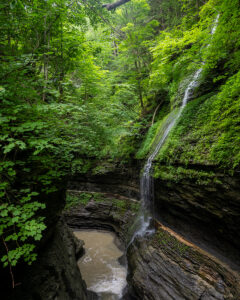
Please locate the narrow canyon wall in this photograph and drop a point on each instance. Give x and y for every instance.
(207, 213)
(166, 267)
(194, 253)
(120, 180)
(55, 274)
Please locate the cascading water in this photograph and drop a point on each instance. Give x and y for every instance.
(146, 183)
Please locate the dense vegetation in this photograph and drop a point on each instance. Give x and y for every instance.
(80, 86)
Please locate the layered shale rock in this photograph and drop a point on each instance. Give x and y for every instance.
(167, 267)
(116, 180)
(207, 213)
(109, 213)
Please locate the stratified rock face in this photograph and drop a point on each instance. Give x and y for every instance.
(120, 181)
(55, 275)
(165, 267)
(211, 211)
(104, 215)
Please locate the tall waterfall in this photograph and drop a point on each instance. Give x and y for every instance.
(146, 182)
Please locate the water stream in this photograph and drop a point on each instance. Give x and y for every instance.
(99, 266)
(146, 182)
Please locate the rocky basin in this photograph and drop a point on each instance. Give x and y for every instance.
(164, 265)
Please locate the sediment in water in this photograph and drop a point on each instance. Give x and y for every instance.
(100, 265)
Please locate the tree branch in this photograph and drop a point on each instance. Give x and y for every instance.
(10, 267)
(156, 112)
(111, 6)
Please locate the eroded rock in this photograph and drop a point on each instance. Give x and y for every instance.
(165, 267)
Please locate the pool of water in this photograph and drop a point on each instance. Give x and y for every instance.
(99, 266)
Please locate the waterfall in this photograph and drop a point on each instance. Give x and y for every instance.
(146, 182)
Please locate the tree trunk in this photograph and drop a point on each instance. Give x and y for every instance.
(139, 84)
(61, 75)
(44, 57)
(155, 111)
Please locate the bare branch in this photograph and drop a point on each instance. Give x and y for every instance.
(10, 267)
(111, 6)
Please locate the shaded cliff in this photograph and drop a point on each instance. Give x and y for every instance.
(115, 179)
(55, 274)
(209, 213)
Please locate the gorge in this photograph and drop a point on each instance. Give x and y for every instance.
(120, 154)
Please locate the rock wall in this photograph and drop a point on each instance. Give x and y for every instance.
(104, 215)
(206, 214)
(196, 254)
(108, 215)
(166, 267)
(122, 180)
(55, 275)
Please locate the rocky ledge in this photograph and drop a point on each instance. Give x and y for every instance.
(102, 211)
(115, 180)
(167, 267)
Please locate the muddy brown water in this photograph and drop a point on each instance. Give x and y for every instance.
(99, 266)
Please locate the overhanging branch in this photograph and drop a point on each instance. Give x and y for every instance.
(111, 6)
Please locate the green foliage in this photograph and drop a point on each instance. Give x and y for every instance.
(155, 133)
(46, 65)
(168, 12)
(208, 132)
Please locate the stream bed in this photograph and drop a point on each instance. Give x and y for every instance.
(99, 265)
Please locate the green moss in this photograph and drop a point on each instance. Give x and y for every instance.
(207, 133)
(135, 206)
(103, 168)
(125, 205)
(167, 240)
(76, 199)
(176, 174)
(155, 132)
(81, 166)
(82, 198)
(146, 144)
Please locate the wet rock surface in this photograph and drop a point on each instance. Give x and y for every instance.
(108, 215)
(163, 267)
(207, 214)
